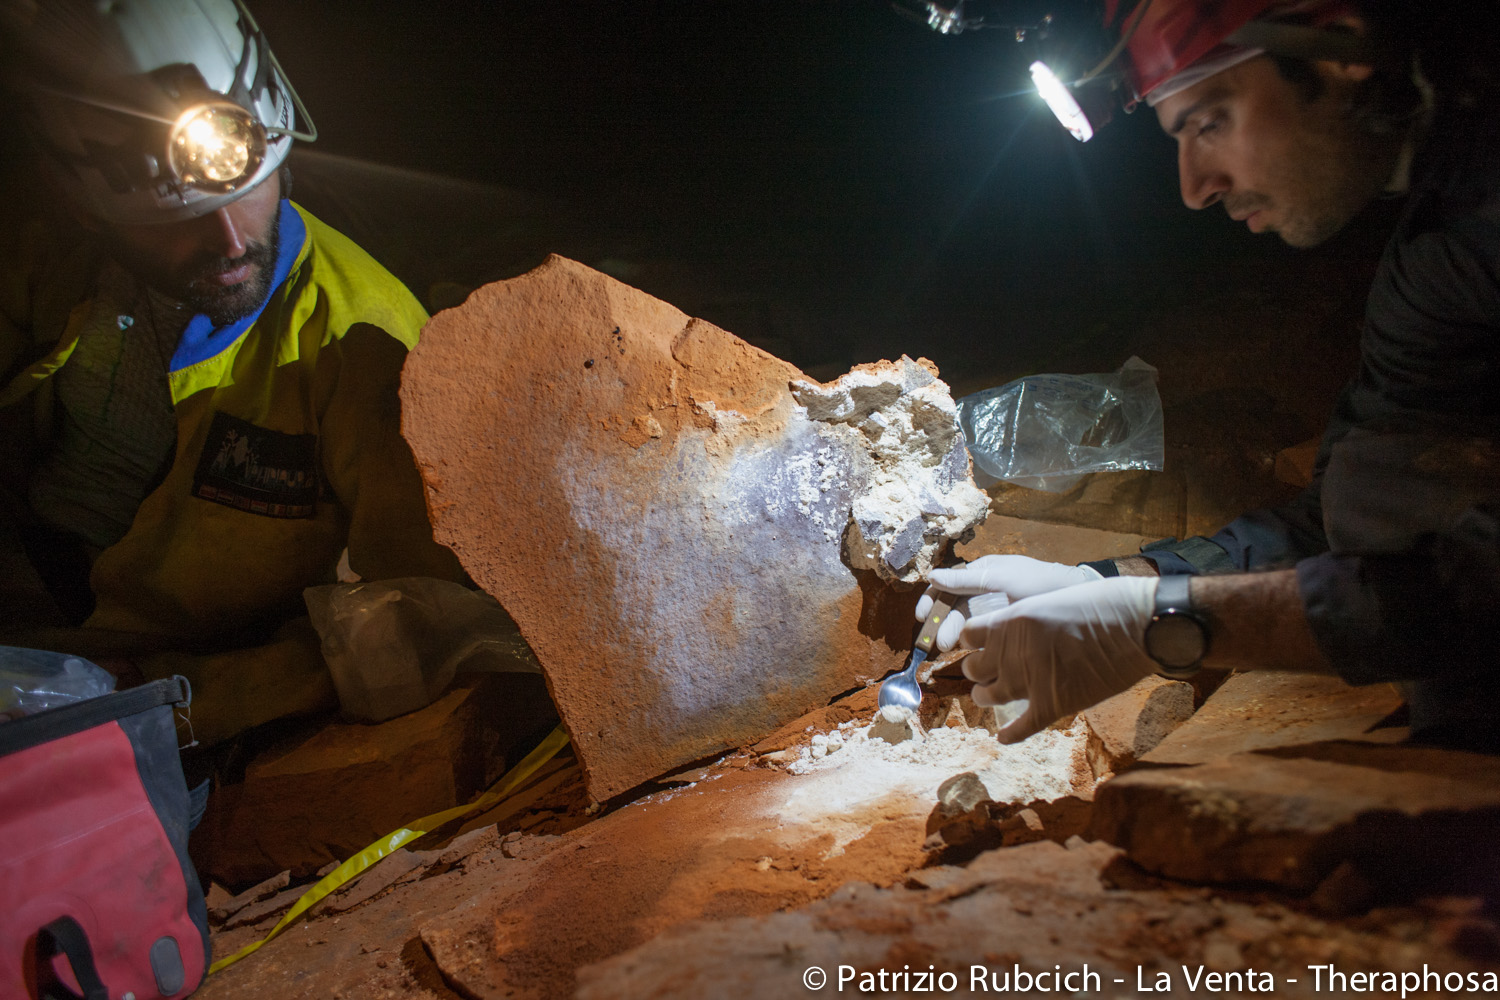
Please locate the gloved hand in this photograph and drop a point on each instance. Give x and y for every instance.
(1016, 577)
(1062, 651)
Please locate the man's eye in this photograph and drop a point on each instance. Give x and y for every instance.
(1210, 125)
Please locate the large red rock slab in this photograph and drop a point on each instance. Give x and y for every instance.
(1403, 816)
(645, 495)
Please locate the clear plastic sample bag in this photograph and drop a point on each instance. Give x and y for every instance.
(32, 680)
(394, 646)
(1047, 432)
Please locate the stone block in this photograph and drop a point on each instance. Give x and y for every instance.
(1058, 820)
(1126, 727)
(670, 514)
(266, 908)
(386, 872)
(1294, 465)
(1404, 816)
(323, 796)
(1267, 708)
(224, 906)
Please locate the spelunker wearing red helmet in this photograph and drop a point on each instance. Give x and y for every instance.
(1294, 118)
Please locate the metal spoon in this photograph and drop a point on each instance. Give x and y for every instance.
(902, 689)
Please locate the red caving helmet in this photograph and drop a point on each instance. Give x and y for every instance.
(1166, 37)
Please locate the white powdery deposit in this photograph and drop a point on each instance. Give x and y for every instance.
(921, 494)
(849, 779)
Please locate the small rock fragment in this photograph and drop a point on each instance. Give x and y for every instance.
(961, 793)
(1057, 820)
(466, 844)
(1126, 727)
(1022, 828)
(960, 824)
(258, 911)
(895, 724)
(1344, 893)
(255, 894)
(526, 846)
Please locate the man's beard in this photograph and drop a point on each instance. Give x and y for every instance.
(224, 304)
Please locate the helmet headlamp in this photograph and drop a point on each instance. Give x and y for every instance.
(153, 111)
(215, 147)
(1062, 102)
(1140, 47)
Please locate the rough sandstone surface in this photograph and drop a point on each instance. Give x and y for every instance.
(665, 517)
(1126, 727)
(1403, 816)
(1269, 708)
(1038, 908)
(321, 796)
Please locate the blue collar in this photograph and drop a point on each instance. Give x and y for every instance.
(202, 340)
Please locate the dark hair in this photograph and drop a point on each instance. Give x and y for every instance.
(1385, 104)
(1452, 44)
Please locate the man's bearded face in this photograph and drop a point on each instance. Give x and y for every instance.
(1247, 139)
(220, 264)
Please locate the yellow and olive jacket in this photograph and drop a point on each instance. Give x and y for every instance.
(288, 440)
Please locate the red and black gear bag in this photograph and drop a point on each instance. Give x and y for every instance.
(98, 899)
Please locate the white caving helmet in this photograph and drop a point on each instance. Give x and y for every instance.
(151, 110)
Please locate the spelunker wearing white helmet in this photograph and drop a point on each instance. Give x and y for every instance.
(199, 376)
(1293, 117)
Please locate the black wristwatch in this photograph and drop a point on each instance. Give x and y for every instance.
(1177, 637)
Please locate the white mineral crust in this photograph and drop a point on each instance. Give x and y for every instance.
(922, 494)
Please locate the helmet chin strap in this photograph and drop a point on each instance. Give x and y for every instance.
(266, 62)
(1400, 180)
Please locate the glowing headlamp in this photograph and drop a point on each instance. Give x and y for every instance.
(216, 147)
(1062, 102)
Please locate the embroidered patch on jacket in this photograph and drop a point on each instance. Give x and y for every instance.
(257, 470)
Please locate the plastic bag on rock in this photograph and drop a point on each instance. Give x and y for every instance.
(32, 680)
(394, 646)
(1046, 432)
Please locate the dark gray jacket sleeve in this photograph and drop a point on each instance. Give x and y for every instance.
(1424, 613)
(1395, 585)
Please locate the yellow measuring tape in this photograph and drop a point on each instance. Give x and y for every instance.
(544, 752)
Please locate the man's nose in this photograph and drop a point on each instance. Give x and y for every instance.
(226, 233)
(1202, 184)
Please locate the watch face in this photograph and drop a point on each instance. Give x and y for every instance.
(1175, 640)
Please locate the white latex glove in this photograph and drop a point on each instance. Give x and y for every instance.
(1061, 651)
(1016, 577)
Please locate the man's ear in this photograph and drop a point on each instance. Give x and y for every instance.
(1348, 72)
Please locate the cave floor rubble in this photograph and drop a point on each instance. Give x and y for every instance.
(1233, 850)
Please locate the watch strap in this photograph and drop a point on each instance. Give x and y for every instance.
(1174, 600)
(1173, 593)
